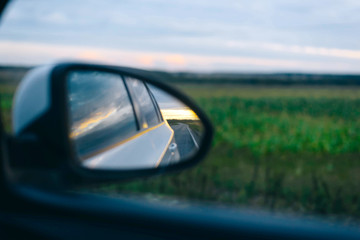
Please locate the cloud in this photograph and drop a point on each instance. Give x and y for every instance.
(175, 59)
(56, 18)
(296, 49)
(258, 35)
(34, 53)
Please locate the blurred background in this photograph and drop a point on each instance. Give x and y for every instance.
(279, 79)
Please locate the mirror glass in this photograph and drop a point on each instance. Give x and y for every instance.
(118, 122)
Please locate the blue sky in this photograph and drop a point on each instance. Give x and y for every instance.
(206, 36)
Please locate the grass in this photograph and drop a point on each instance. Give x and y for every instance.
(269, 92)
(6, 97)
(291, 149)
(286, 125)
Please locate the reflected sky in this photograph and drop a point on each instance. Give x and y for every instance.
(165, 100)
(87, 124)
(179, 114)
(101, 114)
(97, 100)
(170, 107)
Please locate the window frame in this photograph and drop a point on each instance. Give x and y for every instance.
(137, 107)
(137, 122)
(157, 108)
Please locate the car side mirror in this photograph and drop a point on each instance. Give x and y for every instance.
(91, 123)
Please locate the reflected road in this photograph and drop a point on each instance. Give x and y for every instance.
(186, 139)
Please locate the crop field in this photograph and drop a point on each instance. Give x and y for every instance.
(289, 149)
(6, 96)
(286, 149)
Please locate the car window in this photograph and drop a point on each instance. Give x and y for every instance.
(148, 113)
(278, 79)
(101, 114)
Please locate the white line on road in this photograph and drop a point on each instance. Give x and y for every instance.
(196, 145)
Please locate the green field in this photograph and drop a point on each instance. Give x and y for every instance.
(6, 97)
(292, 149)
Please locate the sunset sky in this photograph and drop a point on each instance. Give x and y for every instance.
(204, 36)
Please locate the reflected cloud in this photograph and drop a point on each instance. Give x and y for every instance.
(86, 125)
(179, 114)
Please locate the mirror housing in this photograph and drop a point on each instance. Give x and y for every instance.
(42, 148)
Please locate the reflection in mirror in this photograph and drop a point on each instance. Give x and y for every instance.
(187, 127)
(122, 123)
